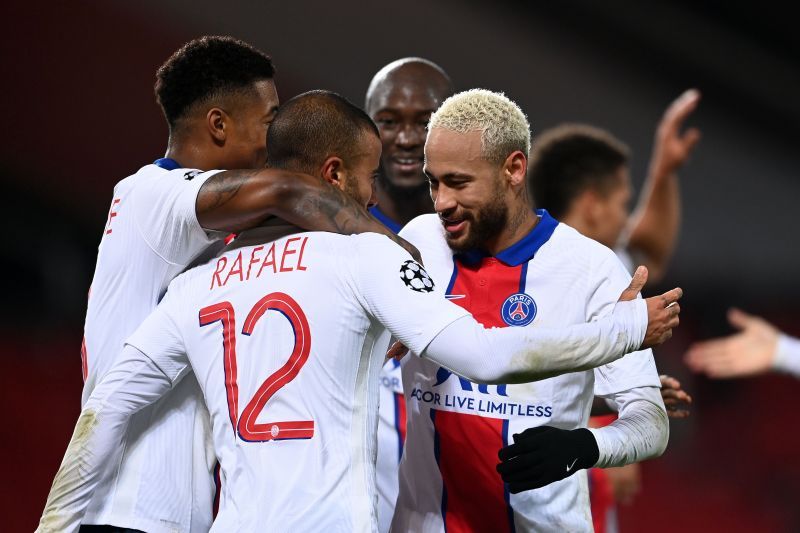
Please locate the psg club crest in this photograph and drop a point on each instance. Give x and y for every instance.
(415, 277)
(518, 310)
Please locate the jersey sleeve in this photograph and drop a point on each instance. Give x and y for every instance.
(166, 215)
(132, 383)
(398, 292)
(636, 369)
(159, 337)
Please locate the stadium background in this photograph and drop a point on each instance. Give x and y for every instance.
(80, 115)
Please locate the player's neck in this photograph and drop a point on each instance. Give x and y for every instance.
(190, 155)
(521, 221)
(402, 206)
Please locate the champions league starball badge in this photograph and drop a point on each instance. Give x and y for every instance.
(415, 277)
(518, 310)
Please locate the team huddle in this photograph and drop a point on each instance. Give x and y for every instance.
(271, 345)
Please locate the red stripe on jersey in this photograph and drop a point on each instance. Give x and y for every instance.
(485, 287)
(84, 362)
(474, 496)
(400, 422)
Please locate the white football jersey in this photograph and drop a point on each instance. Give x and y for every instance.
(286, 340)
(551, 278)
(163, 482)
(391, 421)
(391, 440)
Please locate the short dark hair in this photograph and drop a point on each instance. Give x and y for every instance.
(567, 160)
(313, 126)
(206, 68)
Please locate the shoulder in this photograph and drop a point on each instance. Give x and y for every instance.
(571, 245)
(423, 224)
(157, 180)
(427, 234)
(368, 241)
(424, 230)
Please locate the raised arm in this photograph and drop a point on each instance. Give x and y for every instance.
(236, 200)
(655, 222)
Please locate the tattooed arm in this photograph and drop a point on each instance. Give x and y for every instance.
(236, 200)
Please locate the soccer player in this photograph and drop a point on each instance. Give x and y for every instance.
(758, 348)
(519, 270)
(218, 97)
(400, 99)
(283, 332)
(580, 175)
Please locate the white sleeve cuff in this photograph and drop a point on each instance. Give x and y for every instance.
(787, 355)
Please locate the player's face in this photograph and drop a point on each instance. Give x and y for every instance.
(402, 111)
(612, 210)
(246, 143)
(468, 191)
(360, 176)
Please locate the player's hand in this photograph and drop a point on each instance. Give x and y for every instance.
(397, 351)
(636, 285)
(542, 455)
(673, 147)
(626, 482)
(676, 400)
(747, 353)
(662, 311)
(663, 316)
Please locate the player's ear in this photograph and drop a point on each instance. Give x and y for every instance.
(217, 123)
(515, 168)
(332, 171)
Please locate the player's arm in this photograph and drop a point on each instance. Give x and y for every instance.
(419, 317)
(757, 348)
(153, 360)
(134, 382)
(543, 455)
(676, 400)
(655, 223)
(236, 200)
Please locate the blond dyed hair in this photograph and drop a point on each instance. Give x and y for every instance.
(504, 127)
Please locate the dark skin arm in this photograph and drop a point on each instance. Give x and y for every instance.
(236, 200)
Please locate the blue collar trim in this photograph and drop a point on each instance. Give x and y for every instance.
(523, 250)
(384, 219)
(167, 164)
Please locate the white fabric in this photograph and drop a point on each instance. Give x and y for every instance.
(133, 383)
(326, 291)
(511, 355)
(787, 355)
(163, 480)
(324, 481)
(641, 431)
(391, 433)
(573, 280)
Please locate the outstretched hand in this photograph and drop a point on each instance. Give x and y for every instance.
(747, 353)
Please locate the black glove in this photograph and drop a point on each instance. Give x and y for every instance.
(542, 455)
